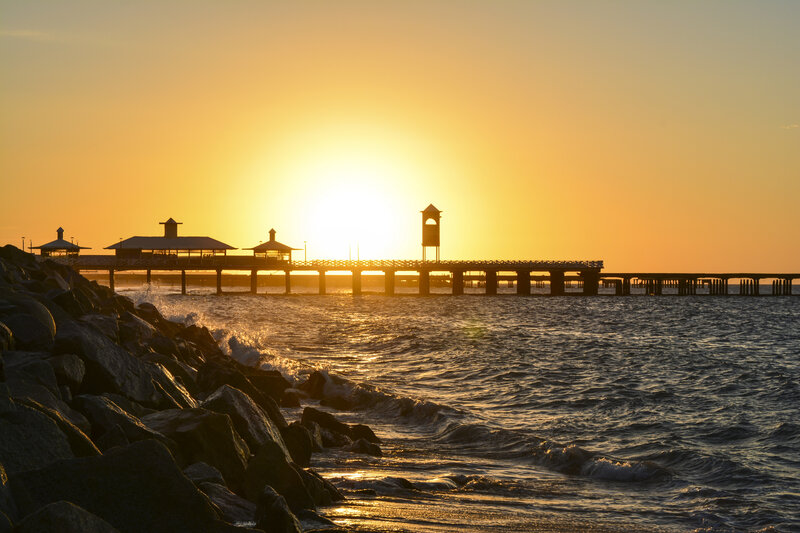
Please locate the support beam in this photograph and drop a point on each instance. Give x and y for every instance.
(556, 283)
(356, 282)
(254, 281)
(149, 276)
(322, 282)
(219, 281)
(458, 282)
(183, 282)
(287, 279)
(424, 282)
(523, 282)
(111, 278)
(756, 291)
(388, 282)
(491, 282)
(591, 283)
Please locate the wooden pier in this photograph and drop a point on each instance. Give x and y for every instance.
(587, 276)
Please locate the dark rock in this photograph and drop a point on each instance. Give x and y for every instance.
(230, 507)
(365, 447)
(69, 370)
(79, 443)
(29, 439)
(201, 472)
(316, 488)
(299, 442)
(214, 374)
(316, 434)
(314, 385)
(6, 338)
(334, 493)
(29, 332)
(270, 467)
(360, 431)
(135, 329)
(269, 382)
(107, 325)
(273, 514)
(127, 405)
(113, 438)
(104, 416)
(312, 521)
(183, 373)
(171, 389)
(249, 420)
(162, 344)
(332, 439)
(63, 517)
(109, 368)
(325, 420)
(206, 436)
(72, 302)
(6, 525)
(136, 489)
(7, 506)
(290, 398)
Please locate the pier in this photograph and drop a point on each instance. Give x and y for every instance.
(558, 276)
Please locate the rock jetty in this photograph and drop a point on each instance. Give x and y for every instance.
(115, 419)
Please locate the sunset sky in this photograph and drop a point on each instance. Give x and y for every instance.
(661, 136)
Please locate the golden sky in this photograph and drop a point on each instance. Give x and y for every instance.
(658, 136)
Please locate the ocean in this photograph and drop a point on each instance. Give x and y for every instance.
(541, 414)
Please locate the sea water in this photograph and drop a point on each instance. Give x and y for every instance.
(542, 414)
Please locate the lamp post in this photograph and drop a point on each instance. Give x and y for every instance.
(305, 251)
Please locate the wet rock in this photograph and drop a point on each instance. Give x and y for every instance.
(183, 373)
(316, 488)
(171, 389)
(63, 517)
(335, 494)
(314, 385)
(340, 403)
(136, 489)
(69, 370)
(230, 507)
(202, 472)
(206, 436)
(270, 467)
(112, 438)
(249, 420)
(273, 514)
(29, 333)
(364, 447)
(135, 329)
(361, 431)
(325, 420)
(127, 405)
(72, 302)
(311, 521)
(29, 439)
(299, 442)
(316, 434)
(269, 382)
(7, 506)
(109, 368)
(290, 398)
(332, 439)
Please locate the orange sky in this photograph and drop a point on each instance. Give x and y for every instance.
(652, 135)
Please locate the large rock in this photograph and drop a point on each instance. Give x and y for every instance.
(229, 506)
(203, 472)
(365, 447)
(299, 442)
(6, 338)
(104, 415)
(29, 320)
(69, 370)
(79, 443)
(29, 439)
(105, 324)
(171, 388)
(109, 368)
(7, 506)
(273, 514)
(206, 436)
(63, 517)
(270, 467)
(325, 420)
(269, 382)
(247, 417)
(137, 489)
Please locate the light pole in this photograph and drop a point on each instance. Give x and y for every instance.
(305, 251)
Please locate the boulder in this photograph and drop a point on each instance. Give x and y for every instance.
(230, 507)
(314, 386)
(325, 420)
(249, 420)
(316, 434)
(63, 517)
(29, 439)
(79, 443)
(206, 436)
(113, 438)
(109, 368)
(332, 439)
(365, 447)
(299, 442)
(105, 324)
(104, 415)
(7, 506)
(29, 332)
(137, 489)
(201, 472)
(312, 522)
(361, 431)
(135, 329)
(171, 389)
(69, 370)
(290, 398)
(273, 514)
(269, 382)
(270, 467)
(340, 403)
(316, 488)
(73, 302)
(183, 373)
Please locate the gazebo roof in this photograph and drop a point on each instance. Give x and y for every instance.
(431, 209)
(272, 245)
(170, 243)
(61, 244)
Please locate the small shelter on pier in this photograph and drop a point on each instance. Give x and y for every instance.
(169, 245)
(273, 251)
(60, 247)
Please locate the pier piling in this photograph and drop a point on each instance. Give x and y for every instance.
(457, 282)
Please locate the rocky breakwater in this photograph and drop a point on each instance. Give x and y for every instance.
(113, 418)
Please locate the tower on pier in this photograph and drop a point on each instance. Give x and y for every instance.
(431, 218)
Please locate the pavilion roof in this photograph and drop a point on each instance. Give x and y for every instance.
(272, 246)
(170, 243)
(61, 244)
